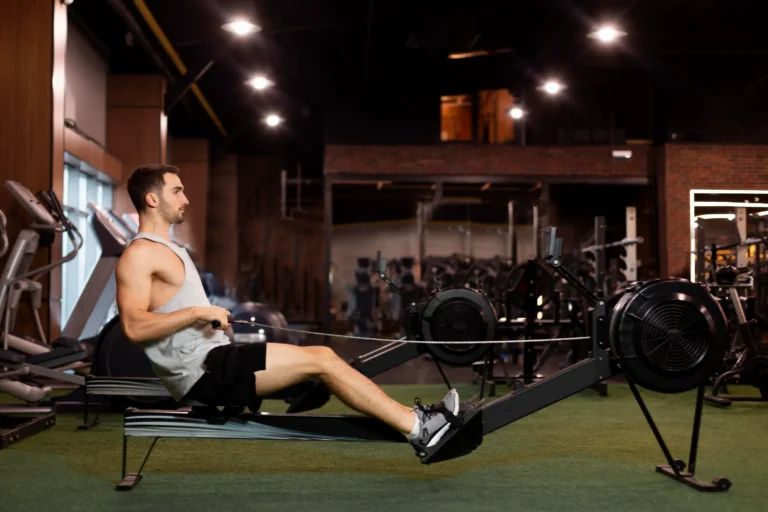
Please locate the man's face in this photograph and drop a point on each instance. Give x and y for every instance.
(172, 200)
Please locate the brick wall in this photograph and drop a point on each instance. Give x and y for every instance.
(700, 166)
(562, 161)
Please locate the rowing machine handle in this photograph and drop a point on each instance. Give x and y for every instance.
(216, 324)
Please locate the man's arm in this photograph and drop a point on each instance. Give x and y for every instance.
(134, 289)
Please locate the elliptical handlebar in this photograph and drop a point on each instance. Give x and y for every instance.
(52, 203)
(51, 200)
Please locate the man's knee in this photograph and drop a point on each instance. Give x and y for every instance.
(321, 352)
(323, 355)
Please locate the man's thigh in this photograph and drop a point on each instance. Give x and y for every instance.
(287, 365)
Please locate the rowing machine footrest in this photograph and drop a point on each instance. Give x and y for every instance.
(458, 442)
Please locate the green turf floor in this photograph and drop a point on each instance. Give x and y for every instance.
(585, 453)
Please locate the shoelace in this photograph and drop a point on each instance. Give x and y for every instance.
(428, 411)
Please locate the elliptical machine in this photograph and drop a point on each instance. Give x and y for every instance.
(17, 370)
(746, 362)
(23, 356)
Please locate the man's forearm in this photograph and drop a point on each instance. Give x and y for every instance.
(144, 326)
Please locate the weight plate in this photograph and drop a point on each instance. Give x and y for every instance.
(670, 334)
(262, 314)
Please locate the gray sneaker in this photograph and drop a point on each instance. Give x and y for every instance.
(435, 420)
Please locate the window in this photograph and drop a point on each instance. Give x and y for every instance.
(82, 185)
(456, 118)
(495, 124)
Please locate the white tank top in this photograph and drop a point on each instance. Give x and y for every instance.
(177, 359)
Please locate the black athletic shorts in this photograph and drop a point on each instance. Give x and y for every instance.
(229, 378)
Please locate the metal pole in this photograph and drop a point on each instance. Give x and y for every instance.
(600, 256)
(535, 231)
(328, 203)
(631, 232)
(283, 192)
(298, 190)
(420, 236)
(510, 229)
(741, 225)
(468, 240)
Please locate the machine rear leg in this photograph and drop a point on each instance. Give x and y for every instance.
(131, 480)
(675, 467)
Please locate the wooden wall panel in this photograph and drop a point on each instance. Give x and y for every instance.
(133, 136)
(93, 154)
(135, 91)
(32, 48)
(285, 250)
(113, 167)
(222, 221)
(136, 126)
(191, 157)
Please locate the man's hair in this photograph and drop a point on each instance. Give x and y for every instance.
(146, 179)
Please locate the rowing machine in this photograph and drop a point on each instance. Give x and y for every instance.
(667, 335)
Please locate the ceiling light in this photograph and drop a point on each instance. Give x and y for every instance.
(259, 82)
(241, 27)
(607, 34)
(516, 113)
(273, 120)
(552, 87)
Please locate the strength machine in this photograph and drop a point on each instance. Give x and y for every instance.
(666, 335)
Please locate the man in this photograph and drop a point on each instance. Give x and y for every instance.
(163, 307)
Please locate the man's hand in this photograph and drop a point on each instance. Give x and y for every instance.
(214, 313)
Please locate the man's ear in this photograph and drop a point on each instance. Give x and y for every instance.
(152, 199)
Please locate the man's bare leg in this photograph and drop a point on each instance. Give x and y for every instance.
(288, 365)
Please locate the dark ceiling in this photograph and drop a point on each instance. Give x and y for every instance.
(321, 53)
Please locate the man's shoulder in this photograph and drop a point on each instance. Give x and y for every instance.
(139, 248)
(141, 252)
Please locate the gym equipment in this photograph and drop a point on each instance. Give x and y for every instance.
(646, 335)
(19, 422)
(14, 428)
(363, 297)
(749, 364)
(438, 273)
(17, 278)
(20, 355)
(249, 312)
(747, 360)
(530, 279)
(594, 245)
(91, 312)
(122, 374)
